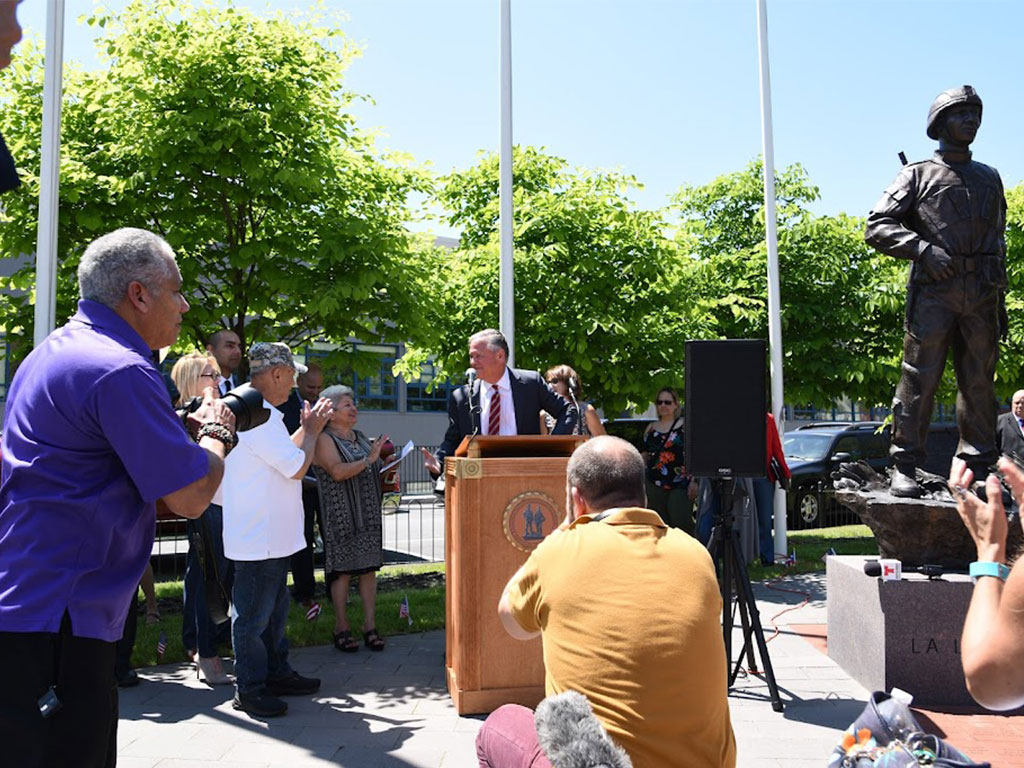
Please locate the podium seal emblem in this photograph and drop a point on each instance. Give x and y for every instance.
(528, 518)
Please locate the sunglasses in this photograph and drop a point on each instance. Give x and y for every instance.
(666, 402)
(208, 376)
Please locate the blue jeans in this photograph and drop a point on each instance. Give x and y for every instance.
(764, 500)
(197, 631)
(706, 517)
(259, 611)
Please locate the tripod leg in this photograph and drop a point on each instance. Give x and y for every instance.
(755, 630)
(725, 580)
(736, 563)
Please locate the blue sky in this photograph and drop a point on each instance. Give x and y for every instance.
(667, 90)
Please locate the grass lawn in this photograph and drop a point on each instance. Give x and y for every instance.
(426, 607)
(812, 544)
(427, 604)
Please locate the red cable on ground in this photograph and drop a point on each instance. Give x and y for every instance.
(807, 598)
(776, 632)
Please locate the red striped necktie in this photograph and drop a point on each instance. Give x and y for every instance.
(494, 417)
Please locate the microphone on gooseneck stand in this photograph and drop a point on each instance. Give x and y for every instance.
(579, 411)
(474, 410)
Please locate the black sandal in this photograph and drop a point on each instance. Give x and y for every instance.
(344, 642)
(373, 640)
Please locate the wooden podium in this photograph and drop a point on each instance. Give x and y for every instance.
(503, 496)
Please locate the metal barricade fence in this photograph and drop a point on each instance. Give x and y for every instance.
(413, 526)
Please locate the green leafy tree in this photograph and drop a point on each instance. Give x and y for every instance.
(230, 134)
(1010, 370)
(841, 303)
(597, 285)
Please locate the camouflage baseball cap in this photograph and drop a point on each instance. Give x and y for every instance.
(264, 355)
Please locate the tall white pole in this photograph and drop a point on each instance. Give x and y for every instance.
(506, 304)
(49, 174)
(771, 240)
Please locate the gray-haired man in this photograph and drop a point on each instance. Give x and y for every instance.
(89, 444)
(262, 499)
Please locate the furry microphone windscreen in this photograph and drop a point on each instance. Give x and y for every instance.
(572, 737)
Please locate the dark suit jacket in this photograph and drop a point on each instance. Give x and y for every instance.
(1009, 436)
(292, 411)
(530, 395)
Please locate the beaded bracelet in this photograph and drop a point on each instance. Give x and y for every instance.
(219, 433)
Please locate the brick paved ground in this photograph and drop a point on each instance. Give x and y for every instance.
(391, 709)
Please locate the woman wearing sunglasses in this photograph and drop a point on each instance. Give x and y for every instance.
(667, 481)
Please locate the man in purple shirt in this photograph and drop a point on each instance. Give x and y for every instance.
(90, 442)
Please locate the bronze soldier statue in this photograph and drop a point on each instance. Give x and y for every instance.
(947, 216)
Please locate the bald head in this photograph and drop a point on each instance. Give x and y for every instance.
(1017, 404)
(607, 472)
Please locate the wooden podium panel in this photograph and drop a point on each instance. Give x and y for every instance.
(496, 511)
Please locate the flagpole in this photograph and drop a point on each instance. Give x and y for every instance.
(49, 174)
(771, 240)
(506, 303)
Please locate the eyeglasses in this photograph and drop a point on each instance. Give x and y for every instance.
(666, 402)
(208, 376)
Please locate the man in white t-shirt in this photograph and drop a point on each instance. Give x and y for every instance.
(263, 519)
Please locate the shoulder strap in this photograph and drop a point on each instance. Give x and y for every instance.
(664, 437)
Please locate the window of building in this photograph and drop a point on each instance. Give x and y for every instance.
(417, 396)
(376, 388)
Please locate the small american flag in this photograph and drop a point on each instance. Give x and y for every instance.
(403, 610)
(791, 560)
(313, 611)
(161, 646)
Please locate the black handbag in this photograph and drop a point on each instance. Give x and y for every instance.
(217, 600)
(887, 735)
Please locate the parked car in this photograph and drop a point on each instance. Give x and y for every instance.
(813, 451)
(630, 430)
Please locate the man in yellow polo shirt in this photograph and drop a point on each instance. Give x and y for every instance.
(629, 614)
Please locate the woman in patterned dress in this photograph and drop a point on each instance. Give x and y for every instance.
(347, 468)
(667, 481)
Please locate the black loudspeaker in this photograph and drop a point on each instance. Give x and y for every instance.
(725, 408)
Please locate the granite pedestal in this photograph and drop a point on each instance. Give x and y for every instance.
(899, 633)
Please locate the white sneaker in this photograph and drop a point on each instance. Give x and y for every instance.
(212, 672)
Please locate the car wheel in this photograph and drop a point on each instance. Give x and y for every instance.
(808, 510)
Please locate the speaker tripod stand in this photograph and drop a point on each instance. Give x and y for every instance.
(732, 569)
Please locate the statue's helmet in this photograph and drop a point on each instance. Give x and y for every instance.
(962, 95)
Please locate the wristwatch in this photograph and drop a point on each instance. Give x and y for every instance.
(981, 568)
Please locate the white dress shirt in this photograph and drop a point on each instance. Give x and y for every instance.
(508, 409)
(263, 516)
(226, 385)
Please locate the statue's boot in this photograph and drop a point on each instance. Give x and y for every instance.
(904, 482)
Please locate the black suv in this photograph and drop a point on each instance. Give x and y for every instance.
(813, 451)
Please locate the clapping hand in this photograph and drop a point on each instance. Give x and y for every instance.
(313, 419)
(430, 462)
(212, 410)
(375, 449)
(986, 521)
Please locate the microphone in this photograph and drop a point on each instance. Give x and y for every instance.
(474, 410)
(874, 568)
(470, 381)
(579, 411)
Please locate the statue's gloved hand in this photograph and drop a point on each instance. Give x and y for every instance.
(937, 263)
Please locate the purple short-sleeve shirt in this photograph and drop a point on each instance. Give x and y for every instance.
(90, 442)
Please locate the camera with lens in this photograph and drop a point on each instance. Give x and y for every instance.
(244, 401)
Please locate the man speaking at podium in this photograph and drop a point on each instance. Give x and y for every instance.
(498, 400)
